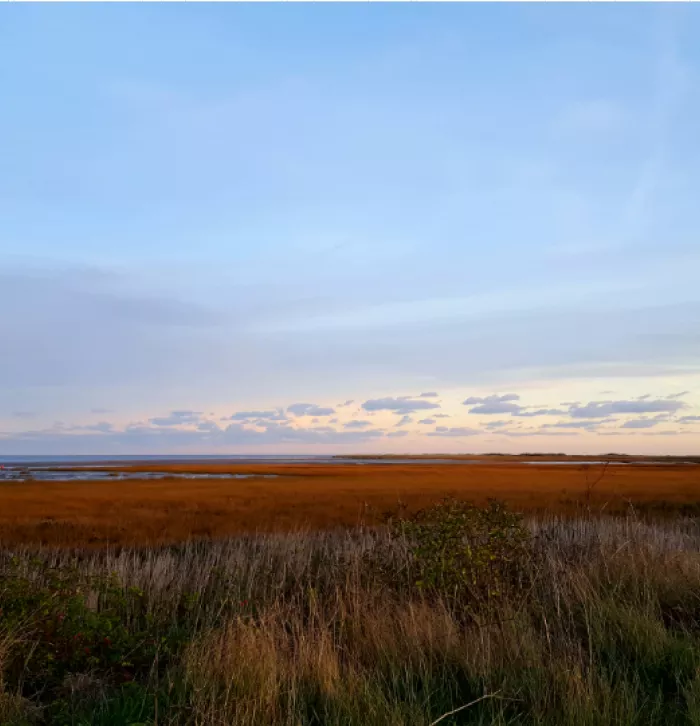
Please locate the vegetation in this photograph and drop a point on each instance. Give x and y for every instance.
(317, 496)
(457, 615)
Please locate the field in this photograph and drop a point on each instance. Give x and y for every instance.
(320, 496)
(282, 602)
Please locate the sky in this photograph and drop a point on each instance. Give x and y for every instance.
(306, 228)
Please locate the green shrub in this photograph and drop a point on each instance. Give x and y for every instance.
(71, 622)
(466, 553)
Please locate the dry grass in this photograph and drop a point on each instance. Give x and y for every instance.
(314, 496)
(301, 628)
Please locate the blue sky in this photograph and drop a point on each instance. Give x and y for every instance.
(214, 210)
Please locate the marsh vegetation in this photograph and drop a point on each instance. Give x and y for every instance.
(456, 615)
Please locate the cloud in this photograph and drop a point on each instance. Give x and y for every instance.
(429, 394)
(24, 414)
(357, 424)
(454, 431)
(640, 423)
(602, 409)
(276, 415)
(114, 342)
(540, 412)
(103, 426)
(398, 405)
(586, 425)
(209, 426)
(397, 434)
(678, 395)
(498, 424)
(533, 432)
(489, 409)
(284, 433)
(404, 421)
(349, 402)
(688, 419)
(495, 398)
(428, 421)
(175, 418)
(441, 415)
(495, 404)
(101, 410)
(309, 409)
(207, 436)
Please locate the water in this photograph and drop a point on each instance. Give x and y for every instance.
(106, 462)
(102, 468)
(126, 459)
(46, 474)
(582, 463)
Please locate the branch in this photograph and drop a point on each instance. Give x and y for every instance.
(462, 708)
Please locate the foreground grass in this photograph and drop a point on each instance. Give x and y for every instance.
(588, 621)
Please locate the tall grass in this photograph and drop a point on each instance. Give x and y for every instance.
(601, 627)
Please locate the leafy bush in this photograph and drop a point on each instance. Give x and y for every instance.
(466, 553)
(75, 623)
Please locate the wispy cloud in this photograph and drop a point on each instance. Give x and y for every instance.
(176, 418)
(495, 398)
(495, 404)
(498, 424)
(585, 425)
(309, 409)
(602, 409)
(269, 415)
(398, 405)
(454, 431)
(539, 412)
(640, 423)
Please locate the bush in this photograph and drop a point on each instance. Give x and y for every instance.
(467, 554)
(69, 622)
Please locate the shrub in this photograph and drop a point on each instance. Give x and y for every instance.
(466, 553)
(70, 622)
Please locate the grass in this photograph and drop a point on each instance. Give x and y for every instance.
(589, 620)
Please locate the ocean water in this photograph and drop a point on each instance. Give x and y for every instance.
(90, 459)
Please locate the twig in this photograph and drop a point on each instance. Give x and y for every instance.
(590, 486)
(467, 705)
